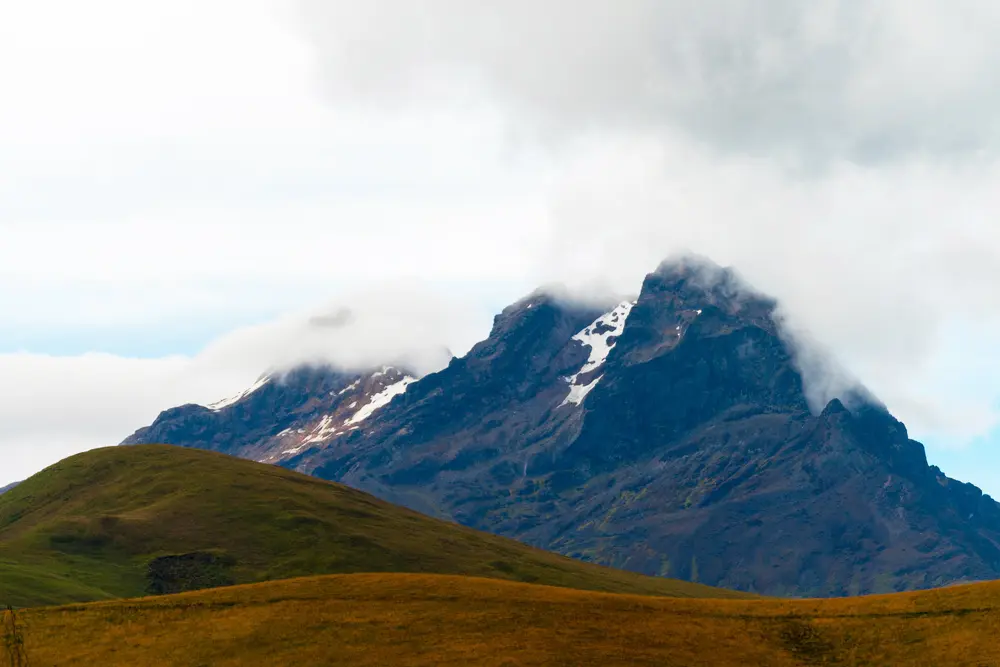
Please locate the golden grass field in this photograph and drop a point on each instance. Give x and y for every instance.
(420, 619)
(386, 586)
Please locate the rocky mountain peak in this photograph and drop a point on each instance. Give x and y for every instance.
(834, 407)
(282, 413)
(541, 308)
(668, 434)
(696, 283)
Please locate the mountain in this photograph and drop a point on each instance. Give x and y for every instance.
(361, 620)
(667, 435)
(281, 414)
(126, 521)
(8, 487)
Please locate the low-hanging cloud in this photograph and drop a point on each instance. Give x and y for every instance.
(53, 406)
(890, 270)
(841, 154)
(389, 323)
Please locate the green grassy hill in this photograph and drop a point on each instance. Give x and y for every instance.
(127, 521)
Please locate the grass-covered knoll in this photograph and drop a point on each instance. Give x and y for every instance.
(127, 521)
(392, 619)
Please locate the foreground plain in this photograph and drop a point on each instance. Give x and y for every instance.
(412, 619)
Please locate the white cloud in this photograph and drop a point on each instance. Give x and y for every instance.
(841, 154)
(53, 406)
(169, 166)
(831, 78)
(392, 323)
(171, 163)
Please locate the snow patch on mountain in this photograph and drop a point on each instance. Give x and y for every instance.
(578, 392)
(324, 430)
(226, 402)
(352, 386)
(600, 336)
(381, 399)
(372, 392)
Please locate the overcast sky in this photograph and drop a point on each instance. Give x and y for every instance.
(183, 185)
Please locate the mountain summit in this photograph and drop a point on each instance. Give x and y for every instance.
(669, 435)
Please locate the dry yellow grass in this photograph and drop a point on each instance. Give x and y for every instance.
(416, 619)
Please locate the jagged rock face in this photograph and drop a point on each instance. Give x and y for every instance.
(280, 415)
(668, 435)
(688, 354)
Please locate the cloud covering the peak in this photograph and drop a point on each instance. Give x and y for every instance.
(52, 406)
(389, 323)
(841, 154)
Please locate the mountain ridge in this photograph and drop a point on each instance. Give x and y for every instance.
(677, 439)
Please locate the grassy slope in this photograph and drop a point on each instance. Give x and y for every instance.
(399, 619)
(85, 528)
